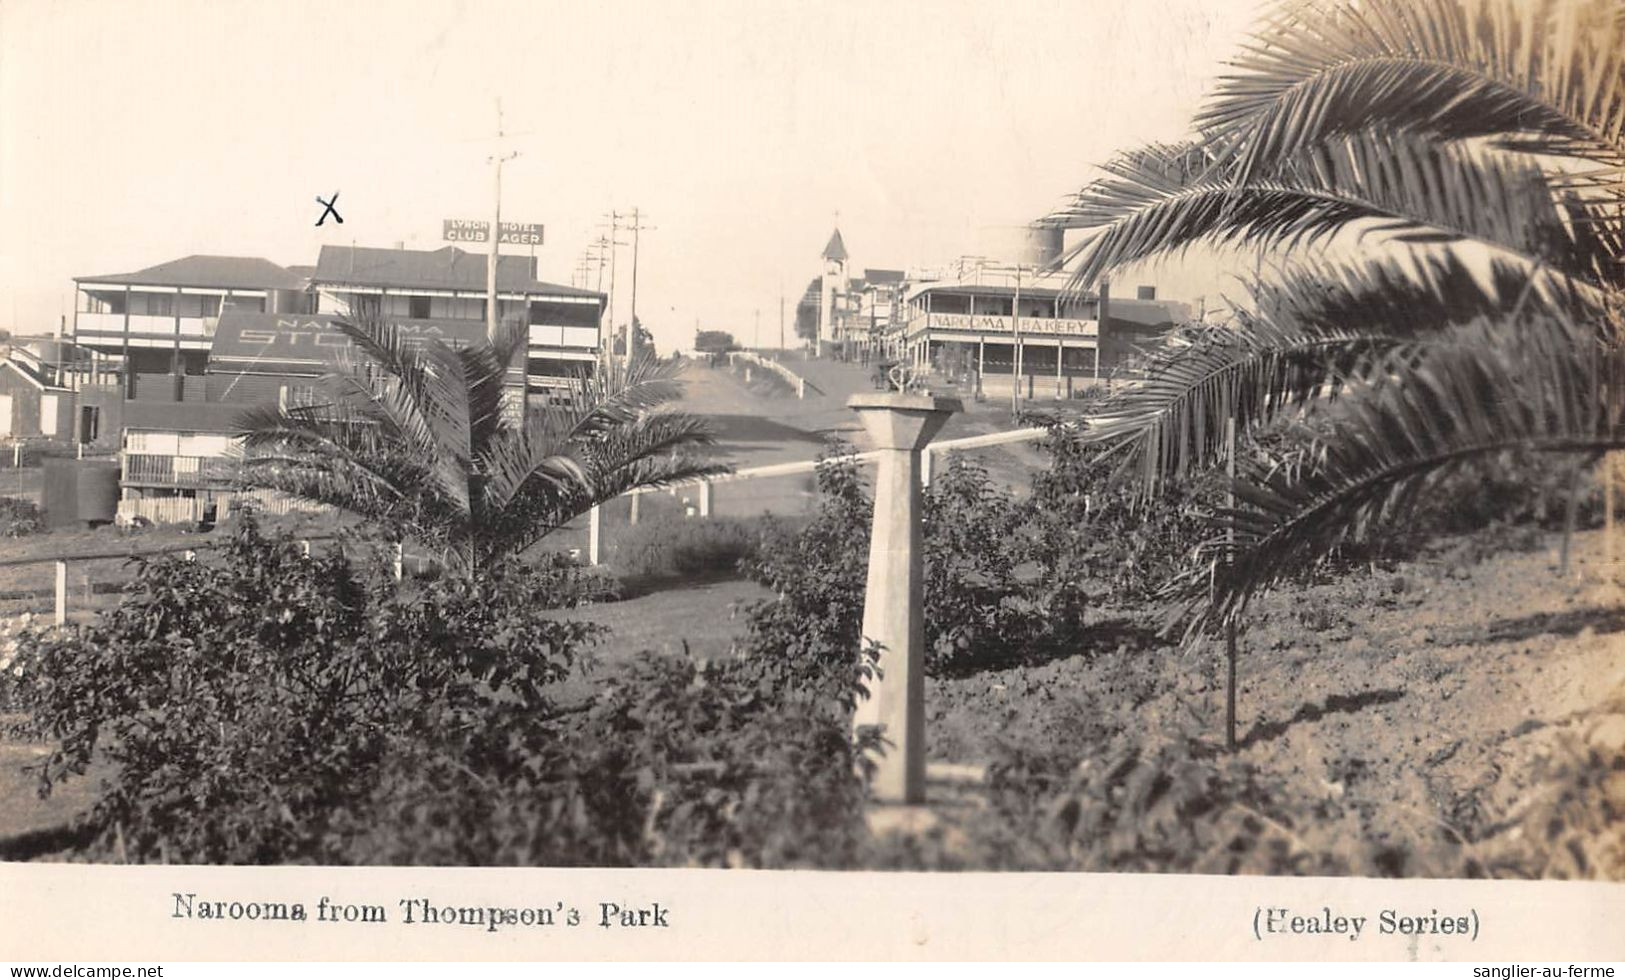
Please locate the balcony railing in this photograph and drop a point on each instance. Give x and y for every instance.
(152, 470)
(147, 324)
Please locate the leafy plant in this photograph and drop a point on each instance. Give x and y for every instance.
(19, 518)
(248, 703)
(986, 599)
(1413, 360)
(678, 547)
(416, 440)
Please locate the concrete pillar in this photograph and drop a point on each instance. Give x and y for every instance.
(594, 533)
(899, 424)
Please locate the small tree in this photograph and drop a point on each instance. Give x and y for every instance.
(714, 342)
(416, 441)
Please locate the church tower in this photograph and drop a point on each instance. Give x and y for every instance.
(832, 295)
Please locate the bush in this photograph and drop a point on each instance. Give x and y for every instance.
(987, 601)
(672, 763)
(250, 705)
(566, 584)
(1102, 536)
(273, 707)
(677, 547)
(19, 518)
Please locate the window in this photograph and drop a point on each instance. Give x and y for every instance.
(419, 309)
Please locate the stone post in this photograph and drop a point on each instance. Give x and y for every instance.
(900, 424)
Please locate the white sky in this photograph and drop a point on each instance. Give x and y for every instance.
(135, 133)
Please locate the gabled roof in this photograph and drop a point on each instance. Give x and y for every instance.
(881, 277)
(836, 249)
(448, 268)
(208, 272)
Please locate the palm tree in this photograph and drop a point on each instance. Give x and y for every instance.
(1480, 145)
(413, 437)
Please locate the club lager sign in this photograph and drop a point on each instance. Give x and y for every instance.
(479, 232)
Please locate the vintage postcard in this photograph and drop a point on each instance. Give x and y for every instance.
(812, 480)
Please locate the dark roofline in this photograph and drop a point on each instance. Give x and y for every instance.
(157, 275)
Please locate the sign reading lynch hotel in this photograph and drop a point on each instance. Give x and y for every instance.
(457, 230)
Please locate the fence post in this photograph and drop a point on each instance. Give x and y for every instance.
(900, 425)
(61, 592)
(594, 534)
(705, 498)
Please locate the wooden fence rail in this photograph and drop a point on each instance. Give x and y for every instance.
(191, 509)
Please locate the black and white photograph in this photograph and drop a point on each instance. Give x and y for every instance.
(1131, 438)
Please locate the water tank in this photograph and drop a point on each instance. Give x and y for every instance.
(1030, 245)
(75, 492)
(98, 492)
(1042, 244)
(1145, 292)
(284, 301)
(49, 351)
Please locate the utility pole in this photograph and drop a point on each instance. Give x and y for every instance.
(637, 226)
(614, 246)
(498, 158)
(1015, 347)
(781, 318)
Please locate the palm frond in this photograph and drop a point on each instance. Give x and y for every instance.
(1301, 339)
(1159, 201)
(1541, 75)
(1389, 443)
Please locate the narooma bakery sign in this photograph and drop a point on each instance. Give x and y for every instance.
(458, 230)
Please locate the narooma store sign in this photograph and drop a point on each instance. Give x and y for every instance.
(457, 230)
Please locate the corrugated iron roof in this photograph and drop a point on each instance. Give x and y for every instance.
(208, 272)
(444, 268)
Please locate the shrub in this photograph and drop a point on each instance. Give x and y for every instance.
(566, 584)
(986, 600)
(672, 763)
(19, 518)
(677, 547)
(249, 704)
(273, 707)
(1099, 535)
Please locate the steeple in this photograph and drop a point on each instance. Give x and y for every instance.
(835, 251)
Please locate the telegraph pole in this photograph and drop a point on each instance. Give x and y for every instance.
(498, 158)
(637, 226)
(614, 246)
(1015, 348)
